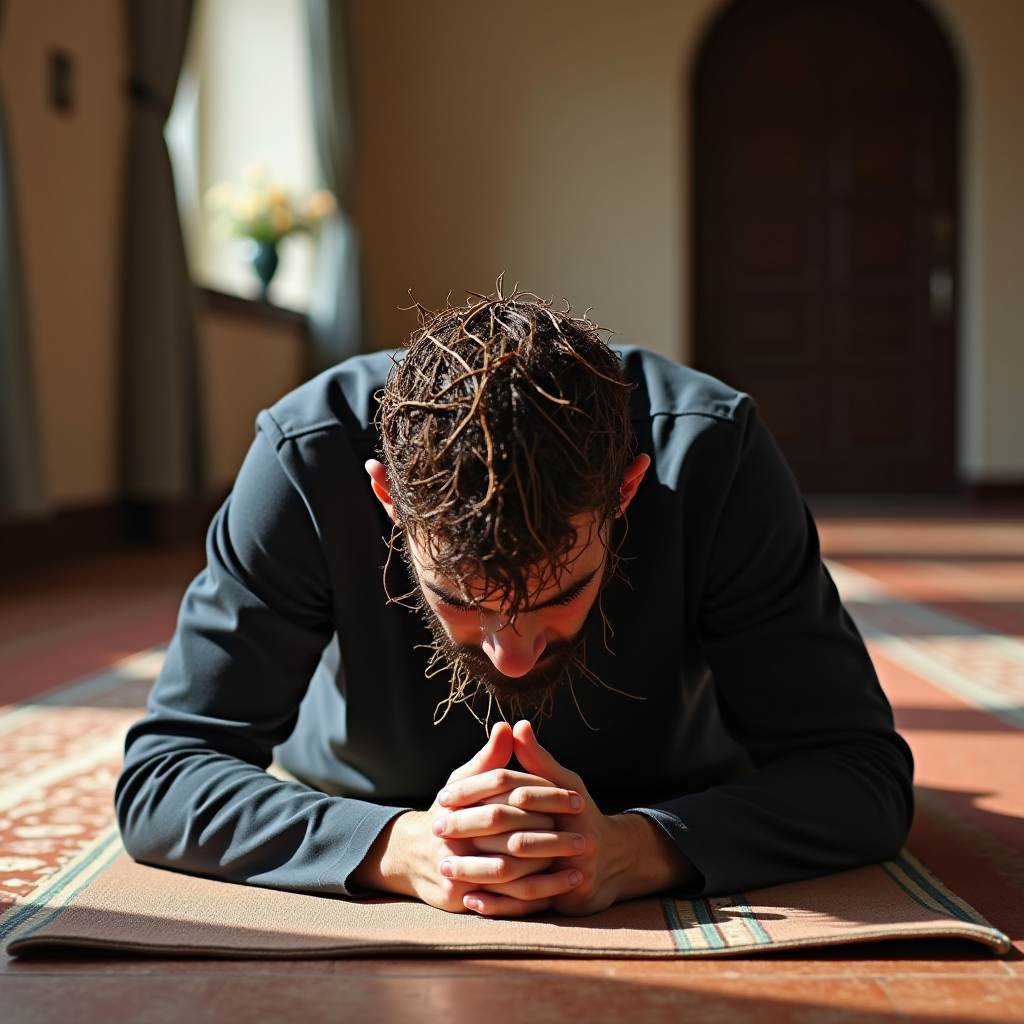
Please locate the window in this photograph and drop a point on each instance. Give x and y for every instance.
(244, 98)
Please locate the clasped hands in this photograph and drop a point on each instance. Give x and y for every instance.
(505, 843)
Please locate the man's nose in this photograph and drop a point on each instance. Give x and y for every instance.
(513, 648)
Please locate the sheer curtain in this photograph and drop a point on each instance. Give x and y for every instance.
(162, 451)
(22, 484)
(335, 311)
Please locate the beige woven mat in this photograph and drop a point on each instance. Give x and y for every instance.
(104, 900)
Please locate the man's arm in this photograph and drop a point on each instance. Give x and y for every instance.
(795, 687)
(193, 794)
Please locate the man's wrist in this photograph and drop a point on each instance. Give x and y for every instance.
(384, 867)
(656, 864)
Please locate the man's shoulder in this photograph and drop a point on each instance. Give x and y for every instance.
(341, 398)
(666, 388)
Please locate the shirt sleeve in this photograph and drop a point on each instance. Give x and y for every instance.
(194, 794)
(796, 688)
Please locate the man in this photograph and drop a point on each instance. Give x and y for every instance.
(607, 547)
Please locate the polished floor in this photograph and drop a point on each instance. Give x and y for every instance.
(941, 601)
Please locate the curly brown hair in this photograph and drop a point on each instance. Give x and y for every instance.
(504, 421)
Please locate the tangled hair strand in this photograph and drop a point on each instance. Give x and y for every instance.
(505, 421)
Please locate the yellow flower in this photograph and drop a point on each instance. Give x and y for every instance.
(281, 219)
(249, 205)
(319, 205)
(277, 196)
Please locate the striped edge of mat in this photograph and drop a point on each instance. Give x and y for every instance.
(60, 889)
(710, 925)
(702, 927)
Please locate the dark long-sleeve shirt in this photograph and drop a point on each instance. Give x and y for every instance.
(756, 735)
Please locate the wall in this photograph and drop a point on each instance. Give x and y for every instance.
(541, 139)
(550, 140)
(67, 171)
(248, 364)
(987, 36)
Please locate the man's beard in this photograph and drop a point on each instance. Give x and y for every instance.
(475, 679)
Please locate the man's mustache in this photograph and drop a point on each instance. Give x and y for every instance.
(545, 675)
(527, 695)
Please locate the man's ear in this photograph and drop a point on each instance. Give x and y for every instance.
(631, 480)
(381, 485)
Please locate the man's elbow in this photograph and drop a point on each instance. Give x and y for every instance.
(892, 791)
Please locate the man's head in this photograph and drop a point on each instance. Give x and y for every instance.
(506, 446)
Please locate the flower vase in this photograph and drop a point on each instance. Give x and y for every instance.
(264, 261)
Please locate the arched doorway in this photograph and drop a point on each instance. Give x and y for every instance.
(825, 171)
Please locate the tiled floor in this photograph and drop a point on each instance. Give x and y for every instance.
(942, 603)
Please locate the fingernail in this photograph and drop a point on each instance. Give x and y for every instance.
(446, 868)
(575, 878)
(444, 798)
(579, 843)
(438, 827)
(575, 801)
(473, 903)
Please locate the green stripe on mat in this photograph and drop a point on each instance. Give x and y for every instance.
(39, 901)
(930, 890)
(918, 875)
(675, 926)
(916, 896)
(761, 937)
(712, 936)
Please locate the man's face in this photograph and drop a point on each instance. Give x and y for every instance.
(521, 662)
(526, 658)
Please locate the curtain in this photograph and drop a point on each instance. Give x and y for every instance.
(162, 454)
(22, 487)
(335, 312)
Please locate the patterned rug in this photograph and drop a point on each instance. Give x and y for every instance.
(59, 761)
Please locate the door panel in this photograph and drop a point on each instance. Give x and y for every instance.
(825, 151)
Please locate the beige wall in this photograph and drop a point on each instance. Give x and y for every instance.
(550, 140)
(248, 364)
(67, 172)
(541, 139)
(987, 35)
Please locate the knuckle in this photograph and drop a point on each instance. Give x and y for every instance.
(501, 777)
(518, 843)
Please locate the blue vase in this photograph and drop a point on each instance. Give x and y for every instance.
(265, 261)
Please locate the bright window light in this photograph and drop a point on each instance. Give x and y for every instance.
(244, 98)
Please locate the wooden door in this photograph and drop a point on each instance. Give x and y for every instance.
(825, 159)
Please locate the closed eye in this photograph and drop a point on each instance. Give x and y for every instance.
(561, 602)
(451, 603)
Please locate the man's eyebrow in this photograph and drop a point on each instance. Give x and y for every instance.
(562, 598)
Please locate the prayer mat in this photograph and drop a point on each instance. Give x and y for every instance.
(102, 900)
